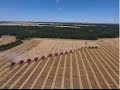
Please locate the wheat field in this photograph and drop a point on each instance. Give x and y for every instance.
(60, 64)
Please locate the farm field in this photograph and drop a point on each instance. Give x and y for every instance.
(61, 64)
(18, 24)
(39, 47)
(114, 42)
(7, 39)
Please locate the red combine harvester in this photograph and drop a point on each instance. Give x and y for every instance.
(29, 60)
(71, 51)
(56, 54)
(66, 52)
(21, 62)
(36, 59)
(43, 57)
(12, 64)
(50, 55)
(61, 53)
(96, 47)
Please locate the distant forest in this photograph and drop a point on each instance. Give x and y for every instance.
(84, 32)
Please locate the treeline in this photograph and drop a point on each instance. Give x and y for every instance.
(84, 32)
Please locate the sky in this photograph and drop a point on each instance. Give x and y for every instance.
(85, 11)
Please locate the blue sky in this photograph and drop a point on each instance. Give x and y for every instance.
(92, 11)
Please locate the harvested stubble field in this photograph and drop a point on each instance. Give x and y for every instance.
(80, 67)
(7, 39)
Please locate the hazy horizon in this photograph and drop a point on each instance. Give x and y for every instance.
(57, 22)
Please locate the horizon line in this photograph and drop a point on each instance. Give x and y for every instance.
(62, 22)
